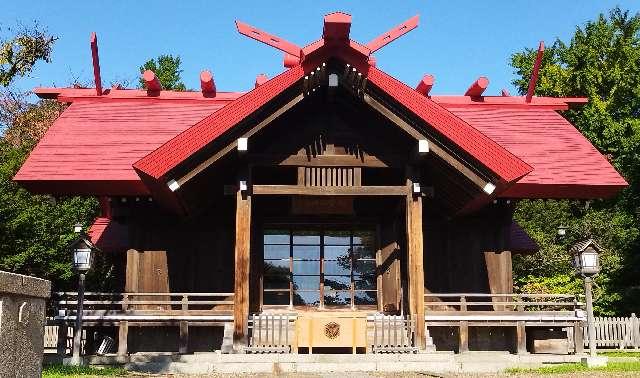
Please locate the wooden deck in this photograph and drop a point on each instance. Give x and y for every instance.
(184, 310)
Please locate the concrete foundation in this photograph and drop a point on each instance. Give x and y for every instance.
(22, 311)
(438, 362)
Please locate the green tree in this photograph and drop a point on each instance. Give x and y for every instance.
(601, 62)
(167, 69)
(35, 230)
(19, 53)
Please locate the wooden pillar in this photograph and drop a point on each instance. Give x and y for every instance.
(242, 265)
(183, 348)
(61, 345)
(123, 335)
(578, 338)
(463, 337)
(415, 260)
(521, 338)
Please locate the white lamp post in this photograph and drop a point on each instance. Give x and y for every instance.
(587, 264)
(83, 253)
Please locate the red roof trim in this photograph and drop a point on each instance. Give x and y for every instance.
(84, 187)
(561, 103)
(73, 94)
(490, 154)
(172, 153)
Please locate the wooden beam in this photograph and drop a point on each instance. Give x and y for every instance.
(415, 262)
(207, 84)
(336, 27)
(202, 166)
(535, 72)
(369, 161)
(296, 190)
(433, 148)
(425, 85)
(268, 39)
(260, 79)
(242, 268)
(151, 81)
(96, 63)
(477, 87)
(393, 34)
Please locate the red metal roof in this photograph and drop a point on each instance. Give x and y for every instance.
(191, 140)
(97, 142)
(91, 147)
(565, 163)
(493, 156)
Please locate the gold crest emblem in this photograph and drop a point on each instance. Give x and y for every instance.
(332, 330)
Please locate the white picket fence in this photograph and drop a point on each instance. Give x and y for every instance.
(612, 332)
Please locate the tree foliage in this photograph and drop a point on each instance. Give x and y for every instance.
(35, 230)
(601, 62)
(19, 53)
(167, 70)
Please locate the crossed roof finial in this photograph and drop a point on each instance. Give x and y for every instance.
(337, 26)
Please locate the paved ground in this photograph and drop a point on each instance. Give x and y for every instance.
(407, 375)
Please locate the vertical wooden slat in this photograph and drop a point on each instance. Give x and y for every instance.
(357, 176)
(242, 269)
(375, 331)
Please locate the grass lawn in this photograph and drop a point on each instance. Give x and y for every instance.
(576, 368)
(621, 353)
(60, 371)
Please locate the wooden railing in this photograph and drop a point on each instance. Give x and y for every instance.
(271, 333)
(466, 302)
(113, 304)
(124, 310)
(615, 332)
(394, 334)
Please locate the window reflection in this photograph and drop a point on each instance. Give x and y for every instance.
(309, 298)
(296, 262)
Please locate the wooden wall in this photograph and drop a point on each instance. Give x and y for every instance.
(168, 253)
(467, 254)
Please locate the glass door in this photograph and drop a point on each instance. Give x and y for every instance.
(319, 266)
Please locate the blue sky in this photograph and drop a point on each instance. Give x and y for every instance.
(457, 41)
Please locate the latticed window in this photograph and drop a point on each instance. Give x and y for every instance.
(322, 267)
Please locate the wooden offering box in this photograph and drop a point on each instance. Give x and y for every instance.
(331, 330)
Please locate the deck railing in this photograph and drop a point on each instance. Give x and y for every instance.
(124, 310)
(466, 302)
(97, 304)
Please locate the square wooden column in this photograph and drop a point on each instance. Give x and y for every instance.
(415, 262)
(242, 268)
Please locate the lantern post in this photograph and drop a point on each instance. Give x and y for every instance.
(83, 252)
(586, 261)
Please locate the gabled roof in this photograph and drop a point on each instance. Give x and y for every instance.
(166, 157)
(335, 43)
(566, 164)
(504, 164)
(91, 147)
(97, 142)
